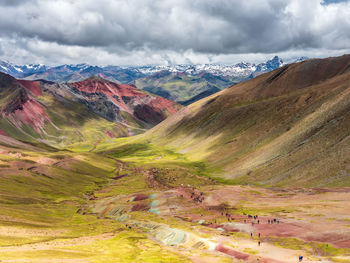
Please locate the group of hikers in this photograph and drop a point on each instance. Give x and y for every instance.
(197, 197)
(269, 221)
(259, 235)
(228, 216)
(257, 221)
(272, 221)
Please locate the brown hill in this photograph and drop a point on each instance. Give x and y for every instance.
(110, 100)
(290, 126)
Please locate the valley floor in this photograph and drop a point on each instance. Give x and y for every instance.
(123, 205)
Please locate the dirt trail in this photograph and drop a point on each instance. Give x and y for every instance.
(95, 145)
(272, 253)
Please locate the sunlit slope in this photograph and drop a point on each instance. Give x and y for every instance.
(287, 127)
(42, 112)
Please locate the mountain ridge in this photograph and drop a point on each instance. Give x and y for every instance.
(243, 68)
(180, 83)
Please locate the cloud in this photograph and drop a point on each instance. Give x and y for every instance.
(115, 30)
(15, 2)
(327, 2)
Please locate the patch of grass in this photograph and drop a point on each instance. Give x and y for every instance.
(250, 251)
(131, 183)
(17, 241)
(263, 211)
(129, 247)
(176, 168)
(340, 260)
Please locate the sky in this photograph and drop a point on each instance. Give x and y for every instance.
(162, 32)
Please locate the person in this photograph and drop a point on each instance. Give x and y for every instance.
(251, 234)
(268, 221)
(259, 243)
(300, 258)
(258, 221)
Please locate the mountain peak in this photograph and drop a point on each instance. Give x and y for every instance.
(96, 78)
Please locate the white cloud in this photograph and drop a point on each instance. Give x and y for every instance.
(175, 31)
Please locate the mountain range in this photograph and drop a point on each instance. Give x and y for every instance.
(181, 83)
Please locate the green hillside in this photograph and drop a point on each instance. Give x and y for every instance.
(182, 88)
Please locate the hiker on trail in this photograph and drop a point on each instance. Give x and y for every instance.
(268, 221)
(258, 221)
(259, 243)
(278, 221)
(274, 220)
(251, 234)
(300, 258)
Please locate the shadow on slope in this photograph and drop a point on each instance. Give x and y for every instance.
(286, 127)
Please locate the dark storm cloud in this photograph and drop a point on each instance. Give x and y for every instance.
(122, 27)
(14, 2)
(333, 1)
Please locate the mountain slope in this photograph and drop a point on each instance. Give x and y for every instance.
(40, 112)
(63, 114)
(180, 87)
(287, 127)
